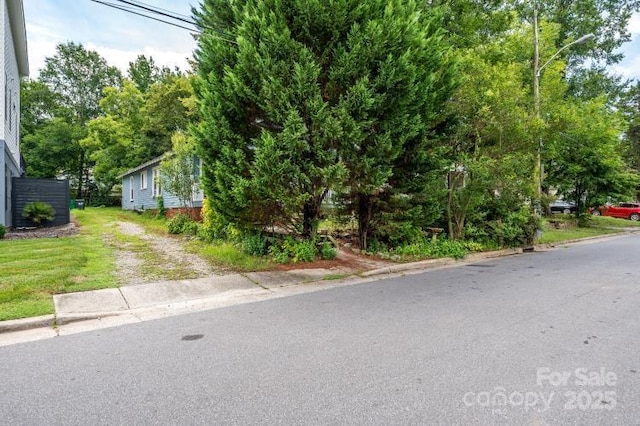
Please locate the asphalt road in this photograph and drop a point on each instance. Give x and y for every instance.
(541, 338)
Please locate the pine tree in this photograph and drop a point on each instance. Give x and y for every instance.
(301, 96)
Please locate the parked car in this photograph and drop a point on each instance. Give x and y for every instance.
(561, 206)
(629, 211)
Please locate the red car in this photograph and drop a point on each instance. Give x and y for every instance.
(629, 211)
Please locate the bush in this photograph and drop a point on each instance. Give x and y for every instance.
(255, 244)
(278, 254)
(38, 212)
(303, 250)
(327, 251)
(517, 229)
(3, 231)
(182, 224)
(434, 249)
(213, 227)
(294, 251)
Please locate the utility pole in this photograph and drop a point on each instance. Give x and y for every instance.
(537, 174)
(537, 69)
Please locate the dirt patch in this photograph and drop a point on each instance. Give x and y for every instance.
(170, 249)
(45, 232)
(347, 260)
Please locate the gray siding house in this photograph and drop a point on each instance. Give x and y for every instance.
(142, 185)
(14, 65)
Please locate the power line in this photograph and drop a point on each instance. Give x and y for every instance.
(171, 15)
(163, 10)
(132, 7)
(124, 9)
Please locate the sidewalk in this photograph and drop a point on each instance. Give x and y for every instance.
(76, 312)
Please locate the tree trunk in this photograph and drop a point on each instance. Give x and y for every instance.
(309, 218)
(364, 219)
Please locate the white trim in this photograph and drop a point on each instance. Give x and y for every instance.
(131, 183)
(156, 183)
(143, 179)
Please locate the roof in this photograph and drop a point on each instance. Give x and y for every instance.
(151, 162)
(19, 33)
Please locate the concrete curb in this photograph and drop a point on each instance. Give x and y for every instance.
(27, 323)
(435, 263)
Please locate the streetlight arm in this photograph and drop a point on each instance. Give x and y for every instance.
(580, 40)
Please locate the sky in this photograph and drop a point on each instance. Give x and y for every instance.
(120, 37)
(117, 36)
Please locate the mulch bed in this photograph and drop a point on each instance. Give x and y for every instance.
(44, 232)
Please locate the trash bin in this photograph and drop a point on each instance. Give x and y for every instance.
(80, 204)
(72, 204)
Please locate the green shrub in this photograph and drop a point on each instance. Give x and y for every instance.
(162, 210)
(255, 244)
(295, 251)
(302, 251)
(376, 246)
(3, 231)
(327, 251)
(517, 229)
(399, 233)
(182, 224)
(213, 227)
(428, 248)
(278, 254)
(38, 212)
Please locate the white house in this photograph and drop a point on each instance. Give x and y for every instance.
(14, 65)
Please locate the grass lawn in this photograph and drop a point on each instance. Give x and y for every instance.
(32, 270)
(598, 225)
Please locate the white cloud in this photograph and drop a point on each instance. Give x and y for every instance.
(629, 68)
(116, 36)
(121, 58)
(634, 24)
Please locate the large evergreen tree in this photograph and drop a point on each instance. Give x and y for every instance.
(301, 96)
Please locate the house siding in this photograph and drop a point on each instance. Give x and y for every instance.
(9, 106)
(143, 199)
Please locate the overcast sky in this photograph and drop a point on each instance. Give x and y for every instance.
(120, 37)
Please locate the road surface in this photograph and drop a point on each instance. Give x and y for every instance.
(541, 338)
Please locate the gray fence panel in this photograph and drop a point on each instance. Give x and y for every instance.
(51, 191)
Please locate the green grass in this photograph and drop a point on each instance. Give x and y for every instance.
(596, 225)
(332, 277)
(32, 270)
(227, 256)
(551, 236)
(605, 221)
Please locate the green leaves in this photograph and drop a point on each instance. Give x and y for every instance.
(314, 96)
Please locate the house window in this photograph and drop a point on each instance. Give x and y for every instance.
(143, 179)
(131, 188)
(157, 188)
